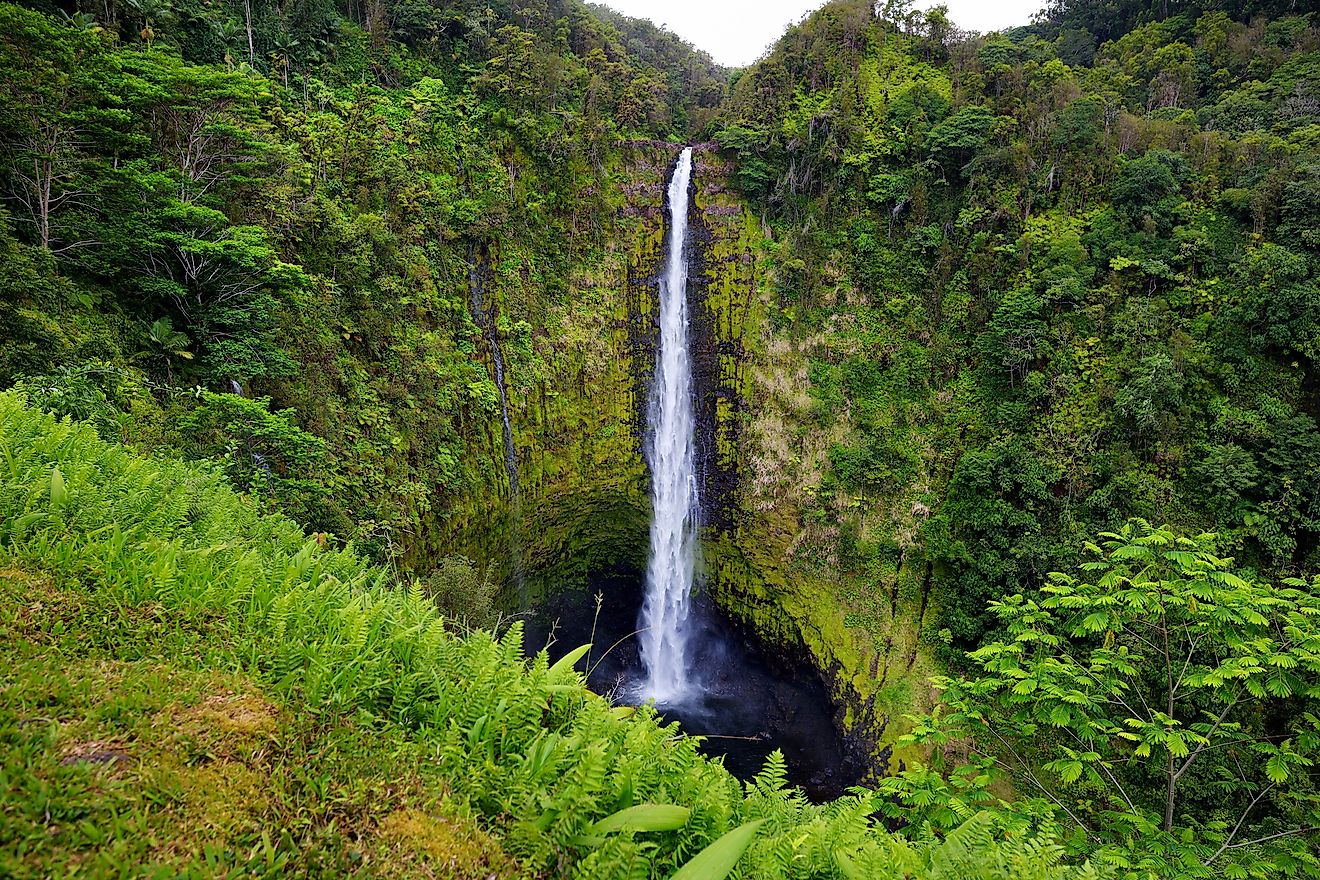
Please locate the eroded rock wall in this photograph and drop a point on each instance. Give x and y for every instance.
(763, 455)
(577, 396)
(579, 429)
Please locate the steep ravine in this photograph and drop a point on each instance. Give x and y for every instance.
(578, 441)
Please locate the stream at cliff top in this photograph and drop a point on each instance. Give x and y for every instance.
(769, 702)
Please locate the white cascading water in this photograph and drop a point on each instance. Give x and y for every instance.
(669, 452)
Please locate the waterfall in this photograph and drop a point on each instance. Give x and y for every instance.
(670, 454)
(486, 321)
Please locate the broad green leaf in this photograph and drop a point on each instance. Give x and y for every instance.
(848, 868)
(1182, 557)
(28, 519)
(643, 817)
(1096, 622)
(569, 660)
(58, 492)
(717, 860)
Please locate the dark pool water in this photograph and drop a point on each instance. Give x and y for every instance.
(748, 703)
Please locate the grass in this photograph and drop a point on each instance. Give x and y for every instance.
(163, 766)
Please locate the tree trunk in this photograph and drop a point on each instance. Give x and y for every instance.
(247, 22)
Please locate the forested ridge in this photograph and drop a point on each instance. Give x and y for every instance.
(1014, 338)
(292, 228)
(1041, 298)
(1047, 282)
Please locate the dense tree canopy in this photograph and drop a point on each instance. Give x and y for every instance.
(225, 195)
(1160, 700)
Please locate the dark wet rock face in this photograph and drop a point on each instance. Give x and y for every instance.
(718, 357)
(751, 701)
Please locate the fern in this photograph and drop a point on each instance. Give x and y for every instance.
(532, 754)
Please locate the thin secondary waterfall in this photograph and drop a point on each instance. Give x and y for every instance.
(484, 320)
(670, 453)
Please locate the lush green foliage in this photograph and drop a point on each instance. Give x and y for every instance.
(1005, 292)
(1041, 295)
(1161, 700)
(290, 205)
(152, 558)
(1046, 281)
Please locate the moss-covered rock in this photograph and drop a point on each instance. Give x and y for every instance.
(762, 456)
(578, 403)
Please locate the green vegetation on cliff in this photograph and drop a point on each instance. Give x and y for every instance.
(339, 231)
(1024, 295)
(1018, 291)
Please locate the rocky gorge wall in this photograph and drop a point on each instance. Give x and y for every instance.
(763, 457)
(579, 419)
(576, 399)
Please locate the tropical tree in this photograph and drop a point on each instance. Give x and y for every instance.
(224, 281)
(52, 107)
(167, 344)
(282, 51)
(1280, 300)
(151, 13)
(1162, 701)
(204, 122)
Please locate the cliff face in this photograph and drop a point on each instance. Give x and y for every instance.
(576, 373)
(763, 453)
(726, 313)
(578, 427)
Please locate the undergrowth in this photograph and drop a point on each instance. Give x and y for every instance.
(200, 689)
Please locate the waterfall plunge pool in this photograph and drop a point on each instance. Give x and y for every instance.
(745, 700)
(709, 676)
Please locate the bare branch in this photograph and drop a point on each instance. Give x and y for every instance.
(1202, 747)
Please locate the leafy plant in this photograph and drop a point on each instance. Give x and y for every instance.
(718, 859)
(564, 780)
(1161, 701)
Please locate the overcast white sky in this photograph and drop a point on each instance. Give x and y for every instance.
(736, 32)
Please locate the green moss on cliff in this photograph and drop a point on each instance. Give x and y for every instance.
(767, 564)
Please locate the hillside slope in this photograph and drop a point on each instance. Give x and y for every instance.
(198, 689)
